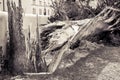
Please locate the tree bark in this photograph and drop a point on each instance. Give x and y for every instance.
(18, 58)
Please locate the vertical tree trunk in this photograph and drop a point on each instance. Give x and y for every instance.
(19, 61)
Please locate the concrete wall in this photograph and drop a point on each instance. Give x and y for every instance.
(28, 21)
(3, 30)
(1, 5)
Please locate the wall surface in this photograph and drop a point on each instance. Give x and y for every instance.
(3, 31)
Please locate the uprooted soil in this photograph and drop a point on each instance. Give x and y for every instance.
(90, 61)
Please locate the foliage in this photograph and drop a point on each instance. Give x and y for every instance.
(75, 10)
(71, 10)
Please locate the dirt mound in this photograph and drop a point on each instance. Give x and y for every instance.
(70, 57)
(94, 64)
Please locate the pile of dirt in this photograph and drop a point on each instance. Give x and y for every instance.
(94, 64)
(70, 57)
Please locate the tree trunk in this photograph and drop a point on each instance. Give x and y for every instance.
(18, 58)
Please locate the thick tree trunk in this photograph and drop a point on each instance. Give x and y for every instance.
(18, 58)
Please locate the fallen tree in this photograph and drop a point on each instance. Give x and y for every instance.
(105, 23)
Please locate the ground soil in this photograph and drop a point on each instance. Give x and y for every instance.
(100, 64)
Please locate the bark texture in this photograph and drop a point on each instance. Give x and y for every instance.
(18, 59)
